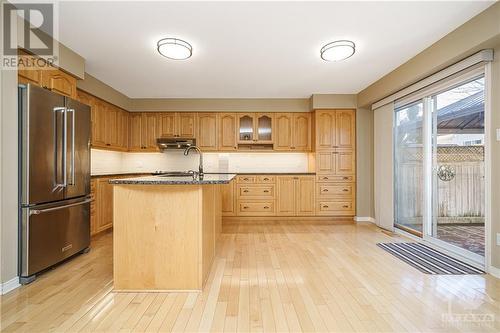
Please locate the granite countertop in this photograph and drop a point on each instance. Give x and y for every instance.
(187, 180)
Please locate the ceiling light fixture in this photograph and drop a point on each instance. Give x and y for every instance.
(338, 50)
(174, 48)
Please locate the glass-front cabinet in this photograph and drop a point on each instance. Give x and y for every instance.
(255, 128)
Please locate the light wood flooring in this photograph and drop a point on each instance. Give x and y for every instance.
(267, 277)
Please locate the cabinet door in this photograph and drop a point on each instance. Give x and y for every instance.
(301, 132)
(124, 130)
(345, 163)
(166, 125)
(105, 197)
(59, 82)
(149, 130)
(229, 199)
(135, 127)
(305, 192)
(110, 124)
(89, 100)
(186, 125)
(325, 129)
(345, 129)
(28, 71)
(283, 136)
(325, 162)
(246, 128)
(264, 125)
(207, 131)
(227, 131)
(99, 139)
(286, 200)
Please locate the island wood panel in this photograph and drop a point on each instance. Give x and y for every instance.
(164, 236)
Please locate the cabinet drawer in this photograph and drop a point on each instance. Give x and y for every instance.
(334, 178)
(246, 179)
(325, 190)
(262, 191)
(334, 208)
(266, 179)
(256, 208)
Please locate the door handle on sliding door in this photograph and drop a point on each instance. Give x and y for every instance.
(72, 182)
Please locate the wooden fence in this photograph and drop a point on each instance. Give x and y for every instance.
(459, 200)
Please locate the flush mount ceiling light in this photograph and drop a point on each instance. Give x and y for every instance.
(174, 48)
(338, 50)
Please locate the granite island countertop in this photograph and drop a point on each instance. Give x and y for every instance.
(184, 180)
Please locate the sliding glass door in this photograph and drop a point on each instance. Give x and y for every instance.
(439, 165)
(408, 153)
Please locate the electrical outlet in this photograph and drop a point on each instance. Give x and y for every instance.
(498, 238)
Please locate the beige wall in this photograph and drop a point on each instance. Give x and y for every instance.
(8, 172)
(328, 101)
(482, 31)
(99, 89)
(364, 163)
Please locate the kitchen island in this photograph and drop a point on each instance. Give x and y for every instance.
(165, 231)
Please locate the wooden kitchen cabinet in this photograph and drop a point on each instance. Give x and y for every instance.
(255, 128)
(59, 82)
(229, 199)
(325, 129)
(102, 205)
(135, 127)
(206, 139)
(335, 129)
(336, 162)
(292, 132)
(176, 125)
(143, 129)
(227, 131)
(29, 70)
(295, 195)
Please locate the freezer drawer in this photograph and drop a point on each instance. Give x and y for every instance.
(52, 233)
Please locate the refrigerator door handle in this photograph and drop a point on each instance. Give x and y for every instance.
(46, 210)
(56, 161)
(65, 147)
(72, 165)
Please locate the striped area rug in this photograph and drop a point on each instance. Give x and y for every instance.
(427, 260)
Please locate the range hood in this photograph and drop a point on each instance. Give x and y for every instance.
(175, 143)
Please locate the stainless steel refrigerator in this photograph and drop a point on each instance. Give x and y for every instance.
(54, 179)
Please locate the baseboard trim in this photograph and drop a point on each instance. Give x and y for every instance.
(364, 219)
(494, 271)
(10, 285)
(292, 219)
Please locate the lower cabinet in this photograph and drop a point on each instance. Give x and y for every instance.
(289, 195)
(101, 208)
(295, 195)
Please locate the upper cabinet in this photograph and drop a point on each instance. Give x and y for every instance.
(335, 129)
(143, 131)
(292, 131)
(227, 131)
(47, 76)
(176, 124)
(256, 128)
(206, 138)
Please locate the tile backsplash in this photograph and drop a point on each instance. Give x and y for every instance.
(108, 162)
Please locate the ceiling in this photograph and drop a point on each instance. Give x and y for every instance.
(252, 49)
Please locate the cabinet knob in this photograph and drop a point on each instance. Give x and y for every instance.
(266, 207)
(245, 178)
(266, 178)
(345, 178)
(245, 191)
(325, 190)
(245, 207)
(293, 147)
(266, 191)
(325, 206)
(108, 144)
(345, 190)
(325, 177)
(345, 206)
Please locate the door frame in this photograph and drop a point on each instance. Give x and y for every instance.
(465, 255)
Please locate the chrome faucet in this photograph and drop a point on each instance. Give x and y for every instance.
(200, 167)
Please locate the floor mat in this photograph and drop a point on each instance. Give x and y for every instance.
(427, 260)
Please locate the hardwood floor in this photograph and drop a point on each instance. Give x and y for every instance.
(266, 277)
